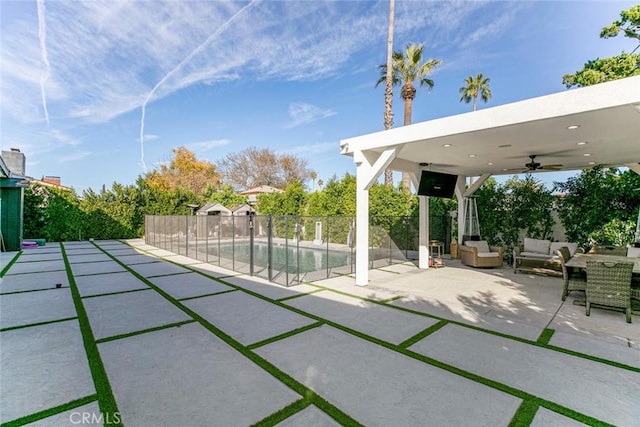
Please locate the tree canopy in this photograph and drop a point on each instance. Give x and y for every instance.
(616, 67)
(184, 171)
(254, 166)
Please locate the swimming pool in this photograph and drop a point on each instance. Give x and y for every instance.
(284, 258)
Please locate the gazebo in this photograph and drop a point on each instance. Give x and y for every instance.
(573, 130)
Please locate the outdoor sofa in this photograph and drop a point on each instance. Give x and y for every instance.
(541, 254)
(480, 254)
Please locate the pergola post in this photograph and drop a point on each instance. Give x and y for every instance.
(369, 166)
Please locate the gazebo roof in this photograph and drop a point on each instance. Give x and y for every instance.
(499, 140)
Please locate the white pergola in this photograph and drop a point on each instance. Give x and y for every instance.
(578, 128)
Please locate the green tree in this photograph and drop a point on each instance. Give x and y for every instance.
(223, 195)
(408, 66)
(617, 67)
(598, 204)
(474, 87)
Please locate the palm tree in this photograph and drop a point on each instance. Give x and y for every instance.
(475, 86)
(388, 91)
(407, 68)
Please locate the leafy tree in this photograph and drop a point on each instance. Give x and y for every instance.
(184, 171)
(474, 87)
(223, 195)
(408, 66)
(598, 204)
(253, 167)
(617, 67)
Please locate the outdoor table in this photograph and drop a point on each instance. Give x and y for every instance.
(580, 260)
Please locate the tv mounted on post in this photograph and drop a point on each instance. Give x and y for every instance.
(437, 184)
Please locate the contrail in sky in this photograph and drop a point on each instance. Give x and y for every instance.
(42, 36)
(188, 58)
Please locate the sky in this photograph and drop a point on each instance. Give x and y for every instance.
(97, 92)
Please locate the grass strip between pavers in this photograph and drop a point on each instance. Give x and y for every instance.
(525, 414)
(309, 395)
(31, 418)
(207, 295)
(283, 414)
(570, 413)
(10, 263)
(29, 325)
(284, 335)
(116, 293)
(32, 290)
(388, 300)
(144, 331)
(545, 336)
(301, 294)
(106, 399)
(423, 334)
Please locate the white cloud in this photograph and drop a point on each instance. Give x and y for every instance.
(301, 113)
(318, 148)
(150, 137)
(207, 145)
(73, 157)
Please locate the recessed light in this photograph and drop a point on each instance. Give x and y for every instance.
(592, 163)
(572, 127)
(447, 145)
(490, 163)
(582, 143)
(504, 170)
(472, 155)
(586, 154)
(504, 146)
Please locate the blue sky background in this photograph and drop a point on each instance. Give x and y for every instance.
(294, 76)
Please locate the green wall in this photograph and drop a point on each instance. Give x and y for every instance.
(11, 220)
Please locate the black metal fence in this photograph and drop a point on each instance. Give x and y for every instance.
(289, 249)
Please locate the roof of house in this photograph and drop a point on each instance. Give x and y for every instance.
(213, 207)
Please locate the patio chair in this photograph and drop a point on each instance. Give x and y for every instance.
(609, 284)
(480, 254)
(610, 250)
(575, 279)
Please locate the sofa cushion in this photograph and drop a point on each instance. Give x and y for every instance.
(573, 247)
(481, 245)
(488, 254)
(536, 246)
(535, 255)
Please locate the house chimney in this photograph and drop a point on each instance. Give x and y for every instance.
(55, 180)
(14, 160)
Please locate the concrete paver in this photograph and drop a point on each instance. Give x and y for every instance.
(545, 418)
(540, 372)
(386, 323)
(310, 416)
(246, 318)
(160, 268)
(377, 386)
(195, 380)
(36, 267)
(99, 284)
(101, 267)
(31, 281)
(80, 258)
(131, 259)
(39, 256)
(35, 307)
(117, 314)
(42, 367)
(188, 285)
(267, 289)
(86, 414)
(599, 347)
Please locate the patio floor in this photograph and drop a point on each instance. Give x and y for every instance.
(139, 336)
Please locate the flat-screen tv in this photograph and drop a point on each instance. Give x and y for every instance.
(437, 184)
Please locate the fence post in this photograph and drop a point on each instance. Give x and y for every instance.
(269, 248)
(186, 236)
(286, 250)
(250, 243)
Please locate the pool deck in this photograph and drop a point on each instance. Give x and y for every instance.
(122, 333)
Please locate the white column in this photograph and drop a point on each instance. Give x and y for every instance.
(423, 233)
(460, 186)
(362, 230)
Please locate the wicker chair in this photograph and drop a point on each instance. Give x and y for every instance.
(574, 279)
(609, 250)
(609, 284)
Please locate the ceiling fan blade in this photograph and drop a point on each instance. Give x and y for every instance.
(551, 167)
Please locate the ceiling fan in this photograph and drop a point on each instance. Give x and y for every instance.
(535, 166)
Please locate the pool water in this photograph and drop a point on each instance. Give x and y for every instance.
(285, 258)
